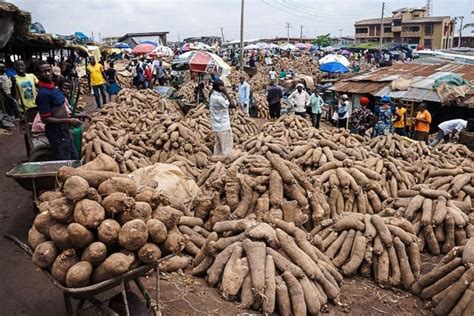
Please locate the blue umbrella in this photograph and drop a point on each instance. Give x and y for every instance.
(121, 45)
(334, 67)
(149, 42)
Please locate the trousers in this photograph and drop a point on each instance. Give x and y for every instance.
(275, 110)
(224, 143)
(100, 88)
(316, 118)
(61, 142)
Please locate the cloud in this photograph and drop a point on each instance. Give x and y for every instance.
(263, 18)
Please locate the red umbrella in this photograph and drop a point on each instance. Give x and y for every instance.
(143, 49)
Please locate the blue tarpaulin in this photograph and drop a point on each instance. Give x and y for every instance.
(81, 35)
(334, 67)
(122, 45)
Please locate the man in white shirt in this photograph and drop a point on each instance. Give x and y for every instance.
(272, 73)
(243, 97)
(300, 100)
(447, 129)
(219, 103)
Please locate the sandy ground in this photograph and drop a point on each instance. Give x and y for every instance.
(26, 291)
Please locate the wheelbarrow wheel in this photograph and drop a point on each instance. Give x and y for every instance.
(41, 153)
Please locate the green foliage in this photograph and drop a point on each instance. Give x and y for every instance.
(323, 40)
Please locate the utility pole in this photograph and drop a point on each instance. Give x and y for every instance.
(222, 34)
(241, 34)
(429, 7)
(288, 25)
(301, 33)
(340, 33)
(381, 25)
(460, 29)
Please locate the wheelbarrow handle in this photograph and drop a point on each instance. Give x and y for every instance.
(19, 243)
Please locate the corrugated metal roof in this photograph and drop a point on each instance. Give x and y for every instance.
(357, 87)
(416, 94)
(423, 77)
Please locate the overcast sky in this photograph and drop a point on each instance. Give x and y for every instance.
(186, 18)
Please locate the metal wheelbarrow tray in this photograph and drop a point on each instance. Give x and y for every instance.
(88, 293)
(39, 176)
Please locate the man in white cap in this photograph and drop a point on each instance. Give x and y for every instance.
(299, 99)
(447, 129)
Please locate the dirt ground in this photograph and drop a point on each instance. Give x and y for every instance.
(27, 291)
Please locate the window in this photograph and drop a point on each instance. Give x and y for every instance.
(416, 16)
(413, 40)
(414, 29)
(387, 29)
(428, 43)
(429, 29)
(362, 30)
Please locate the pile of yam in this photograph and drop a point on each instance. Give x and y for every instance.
(382, 247)
(136, 133)
(441, 222)
(100, 225)
(261, 185)
(269, 266)
(449, 286)
(198, 119)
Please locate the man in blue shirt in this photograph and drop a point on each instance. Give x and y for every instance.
(243, 98)
(51, 107)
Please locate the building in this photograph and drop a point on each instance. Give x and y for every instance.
(110, 40)
(208, 40)
(292, 40)
(408, 26)
(133, 39)
(343, 41)
(466, 41)
(235, 44)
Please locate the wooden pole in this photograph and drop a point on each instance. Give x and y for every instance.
(381, 25)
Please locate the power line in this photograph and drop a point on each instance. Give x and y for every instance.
(286, 6)
(311, 18)
(331, 13)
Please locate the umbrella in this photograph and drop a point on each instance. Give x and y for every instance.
(203, 62)
(149, 42)
(334, 67)
(161, 51)
(288, 46)
(335, 58)
(251, 47)
(328, 49)
(142, 49)
(262, 45)
(345, 52)
(121, 45)
(302, 46)
(195, 46)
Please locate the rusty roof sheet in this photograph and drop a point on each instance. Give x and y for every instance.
(357, 87)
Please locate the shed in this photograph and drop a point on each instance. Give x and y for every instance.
(133, 39)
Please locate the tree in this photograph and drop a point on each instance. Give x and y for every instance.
(323, 40)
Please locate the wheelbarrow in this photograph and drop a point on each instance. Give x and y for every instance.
(89, 293)
(39, 176)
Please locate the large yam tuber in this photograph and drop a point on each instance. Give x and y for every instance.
(118, 184)
(256, 253)
(133, 234)
(75, 188)
(88, 213)
(296, 294)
